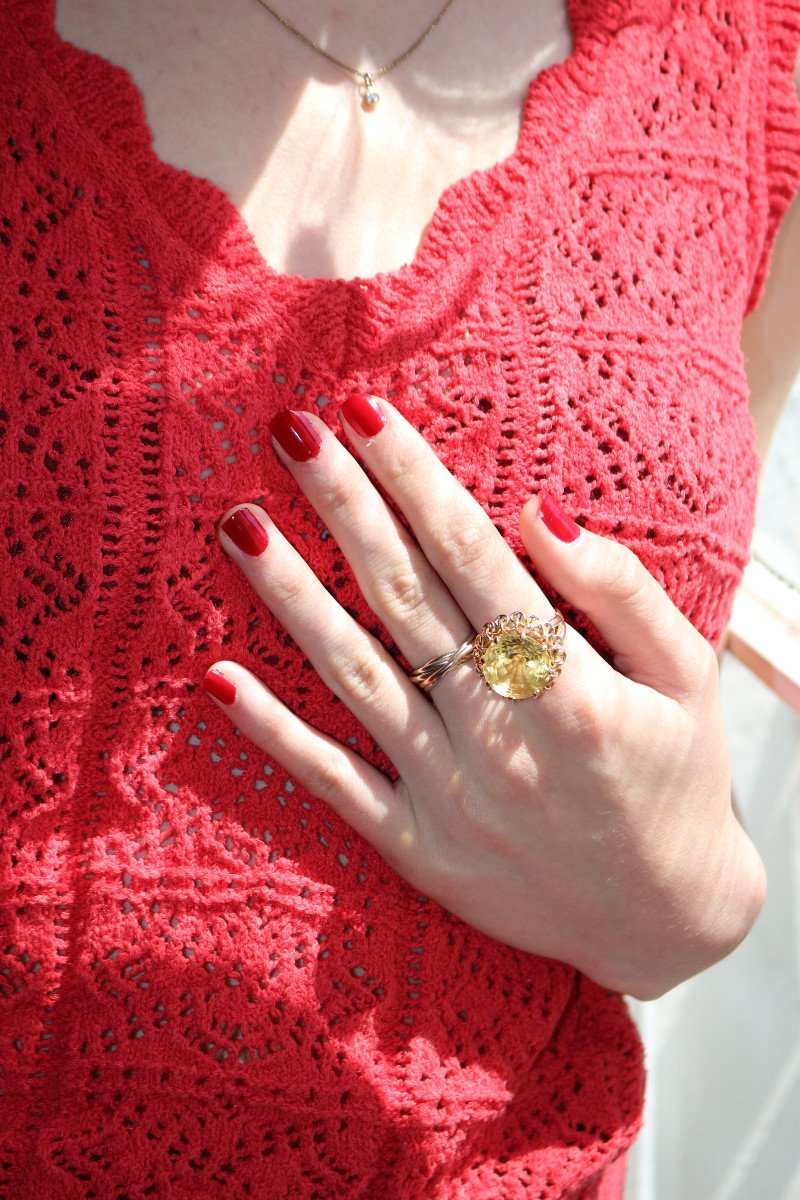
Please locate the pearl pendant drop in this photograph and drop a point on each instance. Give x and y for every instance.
(369, 97)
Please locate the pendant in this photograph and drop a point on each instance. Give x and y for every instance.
(369, 97)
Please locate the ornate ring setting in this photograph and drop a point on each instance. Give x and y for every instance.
(517, 656)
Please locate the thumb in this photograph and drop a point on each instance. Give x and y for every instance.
(653, 642)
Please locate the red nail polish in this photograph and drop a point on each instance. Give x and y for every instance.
(295, 434)
(219, 687)
(556, 520)
(361, 411)
(246, 531)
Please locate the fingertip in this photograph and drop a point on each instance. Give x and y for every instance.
(245, 529)
(530, 510)
(218, 685)
(362, 414)
(544, 510)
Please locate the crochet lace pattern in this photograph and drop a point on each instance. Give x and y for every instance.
(209, 984)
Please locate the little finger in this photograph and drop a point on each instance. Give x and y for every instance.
(377, 809)
(352, 663)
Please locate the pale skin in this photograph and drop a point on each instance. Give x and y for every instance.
(593, 824)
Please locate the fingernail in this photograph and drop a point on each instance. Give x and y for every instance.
(362, 412)
(219, 687)
(246, 531)
(295, 434)
(556, 520)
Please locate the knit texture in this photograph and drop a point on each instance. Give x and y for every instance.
(209, 984)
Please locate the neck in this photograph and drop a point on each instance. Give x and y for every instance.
(362, 33)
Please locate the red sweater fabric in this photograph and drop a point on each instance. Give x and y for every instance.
(209, 984)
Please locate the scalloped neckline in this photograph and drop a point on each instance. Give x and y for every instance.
(196, 198)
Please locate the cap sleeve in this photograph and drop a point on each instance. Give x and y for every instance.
(773, 132)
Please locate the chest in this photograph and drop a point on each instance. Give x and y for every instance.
(561, 336)
(326, 189)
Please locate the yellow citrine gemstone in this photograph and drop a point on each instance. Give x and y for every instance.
(516, 667)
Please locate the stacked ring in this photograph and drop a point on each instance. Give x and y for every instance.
(517, 656)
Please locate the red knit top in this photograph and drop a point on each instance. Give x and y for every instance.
(209, 984)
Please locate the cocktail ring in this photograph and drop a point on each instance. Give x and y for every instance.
(518, 657)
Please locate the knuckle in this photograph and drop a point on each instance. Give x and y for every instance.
(465, 811)
(463, 544)
(288, 591)
(401, 469)
(362, 679)
(625, 575)
(705, 665)
(709, 654)
(336, 494)
(400, 592)
(588, 718)
(588, 707)
(330, 778)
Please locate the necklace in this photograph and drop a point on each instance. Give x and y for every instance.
(364, 79)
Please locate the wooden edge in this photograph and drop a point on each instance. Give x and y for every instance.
(764, 632)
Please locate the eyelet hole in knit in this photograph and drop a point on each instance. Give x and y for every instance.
(208, 981)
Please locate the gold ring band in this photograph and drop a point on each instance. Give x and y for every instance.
(517, 656)
(431, 672)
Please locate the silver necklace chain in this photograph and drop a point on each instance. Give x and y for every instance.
(364, 79)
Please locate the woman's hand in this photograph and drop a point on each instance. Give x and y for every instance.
(591, 824)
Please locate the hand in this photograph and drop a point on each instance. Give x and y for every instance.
(591, 824)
